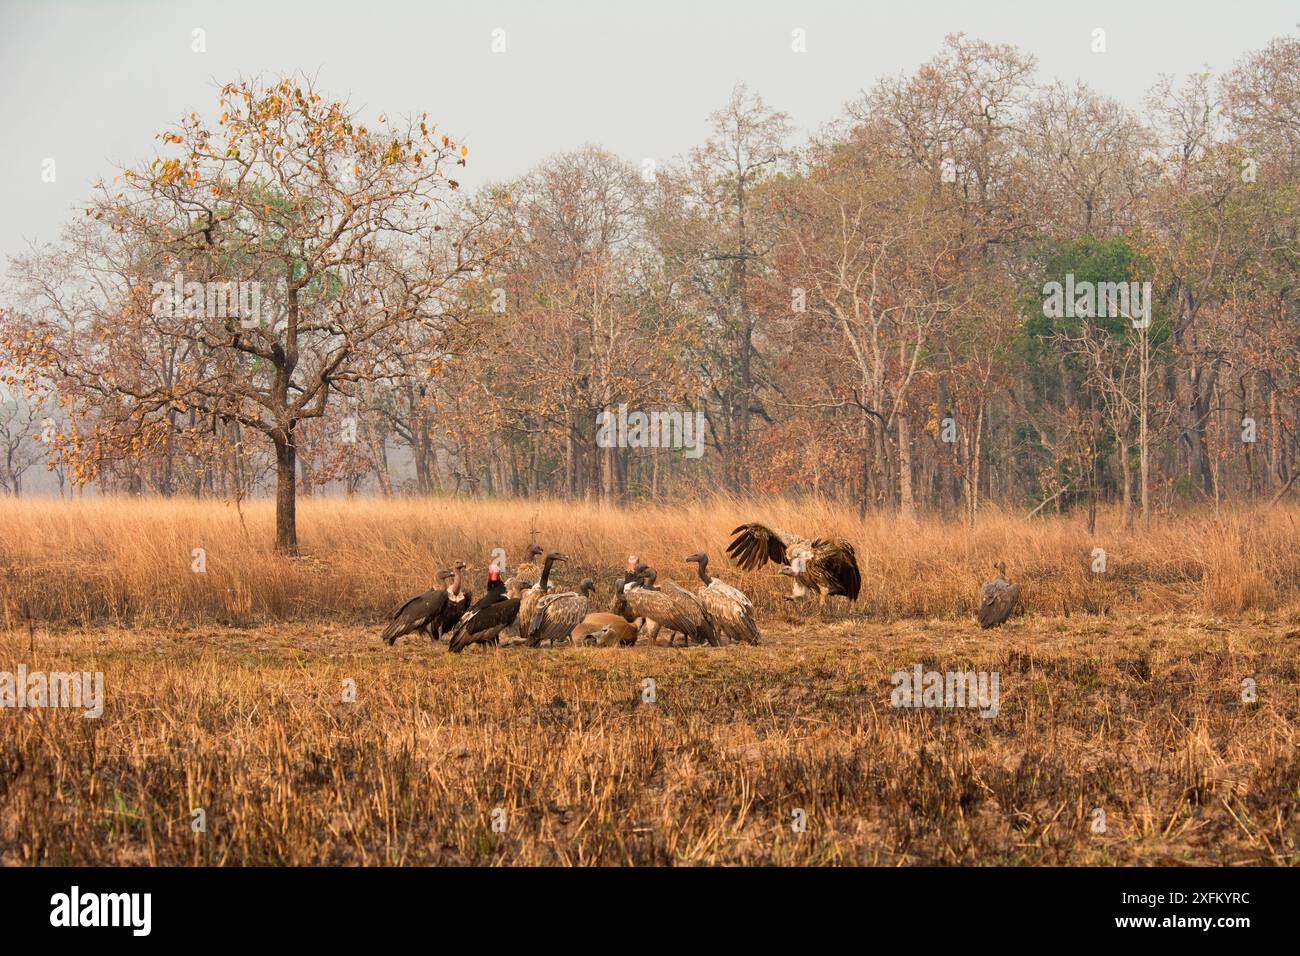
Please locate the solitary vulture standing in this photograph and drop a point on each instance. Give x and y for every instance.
(670, 606)
(483, 625)
(728, 609)
(558, 614)
(826, 566)
(416, 613)
(997, 598)
(531, 597)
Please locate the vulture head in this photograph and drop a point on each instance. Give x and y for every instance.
(533, 551)
(557, 556)
(586, 586)
(798, 564)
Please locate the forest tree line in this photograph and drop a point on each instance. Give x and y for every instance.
(860, 316)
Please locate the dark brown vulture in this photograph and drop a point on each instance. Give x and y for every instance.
(728, 609)
(458, 601)
(669, 605)
(558, 614)
(998, 599)
(416, 613)
(485, 622)
(825, 566)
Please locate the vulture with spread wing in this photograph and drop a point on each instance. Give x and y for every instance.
(824, 566)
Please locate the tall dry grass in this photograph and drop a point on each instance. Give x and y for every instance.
(128, 562)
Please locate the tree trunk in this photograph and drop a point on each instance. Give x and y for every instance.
(286, 519)
(906, 502)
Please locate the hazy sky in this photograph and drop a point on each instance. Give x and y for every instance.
(89, 83)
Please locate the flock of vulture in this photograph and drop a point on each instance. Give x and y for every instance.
(528, 609)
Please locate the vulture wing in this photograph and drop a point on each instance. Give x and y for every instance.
(556, 616)
(997, 600)
(412, 615)
(834, 567)
(733, 618)
(756, 544)
(688, 608)
(484, 624)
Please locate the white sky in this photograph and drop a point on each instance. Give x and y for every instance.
(90, 83)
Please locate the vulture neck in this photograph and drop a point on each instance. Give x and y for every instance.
(454, 587)
(546, 574)
(703, 569)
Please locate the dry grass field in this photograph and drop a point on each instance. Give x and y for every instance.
(1119, 691)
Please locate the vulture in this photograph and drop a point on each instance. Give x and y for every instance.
(633, 565)
(416, 614)
(670, 606)
(485, 622)
(558, 614)
(827, 566)
(728, 609)
(997, 598)
(531, 597)
(496, 589)
(452, 609)
(616, 630)
(527, 572)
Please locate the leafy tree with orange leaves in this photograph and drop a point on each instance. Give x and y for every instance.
(263, 267)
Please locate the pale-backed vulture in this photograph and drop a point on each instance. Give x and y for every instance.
(558, 614)
(728, 609)
(669, 605)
